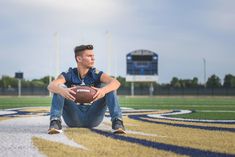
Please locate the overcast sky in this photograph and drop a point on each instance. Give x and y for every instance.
(181, 32)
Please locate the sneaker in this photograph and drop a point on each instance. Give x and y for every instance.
(118, 127)
(55, 127)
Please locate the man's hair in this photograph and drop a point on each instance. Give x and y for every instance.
(79, 49)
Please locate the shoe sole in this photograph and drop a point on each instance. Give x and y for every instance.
(54, 131)
(119, 131)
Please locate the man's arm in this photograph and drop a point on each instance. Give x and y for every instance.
(111, 85)
(56, 87)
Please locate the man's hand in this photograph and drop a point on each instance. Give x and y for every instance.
(100, 93)
(67, 93)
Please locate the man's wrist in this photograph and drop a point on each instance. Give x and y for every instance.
(105, 90)
(61, 85)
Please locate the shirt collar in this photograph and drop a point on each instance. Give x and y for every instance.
(89, 73)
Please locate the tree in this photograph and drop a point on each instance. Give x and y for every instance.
(188, 83)
(175, 82)
(195, 82)
(184, 83)
(45, 80)
(123, 82)
(229, 81)
(25, 83)
(8, 82)
(213, 82)
(42, 82)
(38, 83)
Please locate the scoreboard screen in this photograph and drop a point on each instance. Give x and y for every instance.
(142, 58)
(142, 62)
(19, 75)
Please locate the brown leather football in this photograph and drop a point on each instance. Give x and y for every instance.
(84, 94)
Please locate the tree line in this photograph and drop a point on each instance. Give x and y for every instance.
(212, 82)
(11, 82)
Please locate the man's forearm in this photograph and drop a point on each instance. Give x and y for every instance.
(55, 88)
(112, 86)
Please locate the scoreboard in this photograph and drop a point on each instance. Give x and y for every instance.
(142, 66)
(19, 75)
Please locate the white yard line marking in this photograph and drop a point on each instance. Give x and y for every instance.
(5, 112)
(16, 136)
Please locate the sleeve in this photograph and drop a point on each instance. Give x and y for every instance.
(97, 74)
(67, 75)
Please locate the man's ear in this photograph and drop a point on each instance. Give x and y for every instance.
(79, 58)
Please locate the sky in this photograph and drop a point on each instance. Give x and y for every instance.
(181, 32)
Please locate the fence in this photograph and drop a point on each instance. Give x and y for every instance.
(138, 91)
(24, 91)
(180, 91)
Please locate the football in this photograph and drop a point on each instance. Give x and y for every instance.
(84, 94)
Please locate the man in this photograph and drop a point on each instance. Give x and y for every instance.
(84, 115)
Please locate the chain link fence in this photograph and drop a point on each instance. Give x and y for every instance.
(138, 91)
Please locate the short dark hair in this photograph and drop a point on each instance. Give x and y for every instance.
(81, 48)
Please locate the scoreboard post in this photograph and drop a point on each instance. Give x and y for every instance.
(19, 76)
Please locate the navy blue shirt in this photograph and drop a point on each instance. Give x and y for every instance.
(92, 78)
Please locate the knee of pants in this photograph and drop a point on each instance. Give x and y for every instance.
(57, 97)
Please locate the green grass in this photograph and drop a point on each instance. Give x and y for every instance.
(15, 102)
(198, 104)
(209, 115)
(190, 103)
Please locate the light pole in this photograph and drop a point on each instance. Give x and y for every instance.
(57, 53)
(109, 52)
(204, 69)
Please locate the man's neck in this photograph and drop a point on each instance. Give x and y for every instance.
(82, 71)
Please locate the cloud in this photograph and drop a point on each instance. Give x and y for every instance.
(82, 11)
(181, 32)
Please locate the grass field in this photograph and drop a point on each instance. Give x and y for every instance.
(203, 107)
(146, 136)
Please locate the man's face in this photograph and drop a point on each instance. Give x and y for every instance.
(87, 58)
